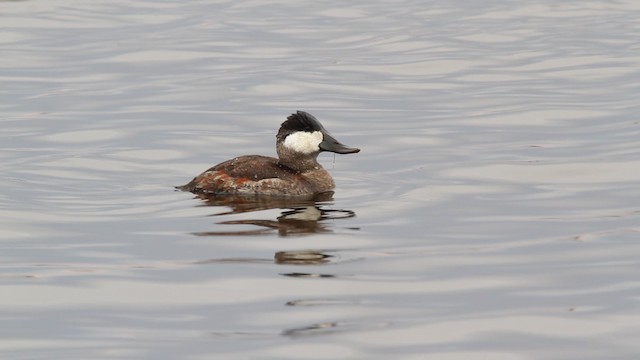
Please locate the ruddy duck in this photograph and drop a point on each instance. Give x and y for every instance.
(296, 171)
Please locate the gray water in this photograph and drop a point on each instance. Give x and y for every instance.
(493, 213)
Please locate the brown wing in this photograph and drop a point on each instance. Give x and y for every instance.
(254, 167)
(241, 170)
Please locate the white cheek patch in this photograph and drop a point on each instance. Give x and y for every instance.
(304, 142)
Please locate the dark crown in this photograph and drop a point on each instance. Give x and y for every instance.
(300, 121)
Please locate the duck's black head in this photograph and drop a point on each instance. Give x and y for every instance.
(303, 133)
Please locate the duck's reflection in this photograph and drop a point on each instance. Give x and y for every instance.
(298, 216)
(302, 257)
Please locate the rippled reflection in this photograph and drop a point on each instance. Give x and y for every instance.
(314, 329)
(304, 257)
(297, 216)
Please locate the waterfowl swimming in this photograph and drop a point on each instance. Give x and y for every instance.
(296, 171)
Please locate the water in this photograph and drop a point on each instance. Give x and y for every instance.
(492, 213)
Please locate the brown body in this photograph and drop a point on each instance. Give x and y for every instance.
(256, 174)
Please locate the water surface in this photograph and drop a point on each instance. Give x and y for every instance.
(492, 213)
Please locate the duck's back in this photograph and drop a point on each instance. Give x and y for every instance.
(256, 174)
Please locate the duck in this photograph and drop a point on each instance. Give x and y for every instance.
(296, 171)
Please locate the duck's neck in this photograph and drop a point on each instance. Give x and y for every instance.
(297, 161)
